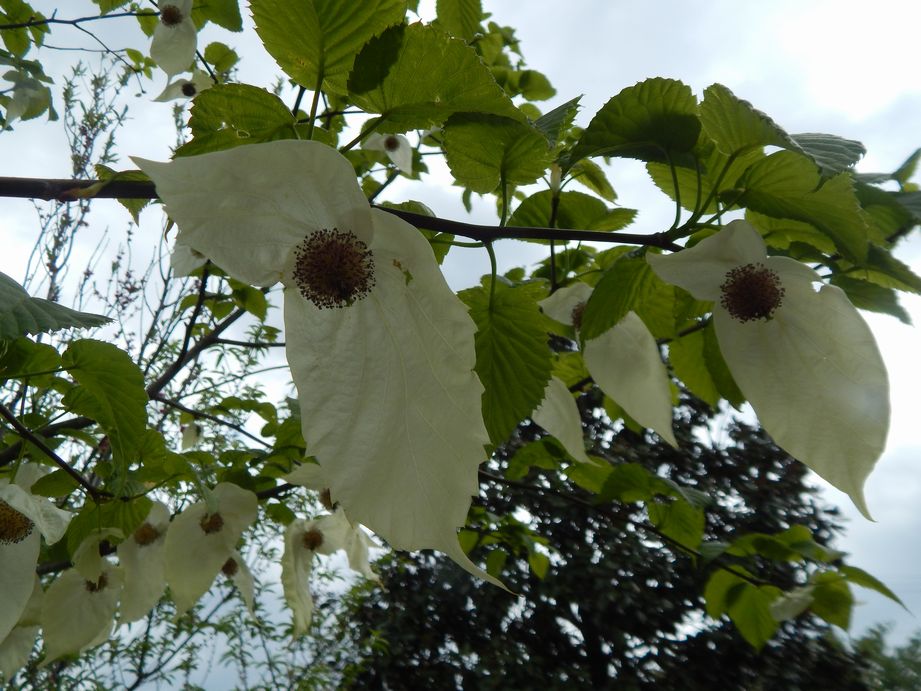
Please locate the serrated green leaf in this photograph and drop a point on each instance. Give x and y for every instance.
(387, 80)
(885, 270)
(869, 296)
(229, 115)
(319, 39)
(587, 172)
(513, 359)
(735, 125)
(21, 314)
(222, 56)
(482, 150)
(832, 154)
(574, 210)
(626, 286)
(787, 185)
(750, 611)
(23, 357)
(460, 18)
(134, 206)
(832, 599)
(57, 483)
(554, 123)
(111, 391)
(783, 232)
(678, 520)
(655, 120)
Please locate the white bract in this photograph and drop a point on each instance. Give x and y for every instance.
(186, 88)
(380, 348)
(559, 415)
(175, 37)
(396, 146)
(24, 518)
(16, 648)
(804, 358)
(624, 361)
(324, 535)
(202, 538)
(141, 558)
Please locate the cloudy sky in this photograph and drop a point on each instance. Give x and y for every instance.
(845, 67)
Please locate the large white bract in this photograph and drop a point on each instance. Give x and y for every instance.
(380, 348)
(175, 37)
(804, 358)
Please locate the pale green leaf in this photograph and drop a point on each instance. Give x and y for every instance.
(314, 40)
(554, 123)
(832, 154)
(460, 18)
(735, 125)
(574, 210)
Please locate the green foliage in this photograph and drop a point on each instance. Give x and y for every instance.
(21, 314)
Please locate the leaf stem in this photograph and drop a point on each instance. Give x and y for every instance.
(314, 104)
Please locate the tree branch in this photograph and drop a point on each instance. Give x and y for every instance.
(74, 22)
(70, 190)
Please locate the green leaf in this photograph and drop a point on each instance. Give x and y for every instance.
(784, 232)
(686, 355)
(495, 562)
(885, 270)
(21, 314)
(787, 185)
(866, 580)
(319, 39)
(22, 357)
(911, 201)
(574, 210)
(554, 123)
(539, 564)
(387, 79)
(124, 516)
(832, 600)
(832, 154)
(906, 171)
(460, 18)
(655, 120)
(482, 150)
(869, 296)
(513, 359)
(678, 520)
(222, 56)
(625, 286)
(111, 392)
(590, 174)
(229, 115)
(750, 611)
(543, 453)
(225, 13)
(134, 206)
(591, 478)
(735, 125)
(57, 483)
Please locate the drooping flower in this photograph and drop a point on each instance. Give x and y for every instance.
(624, 361)
(303, 541)
(186, 88)
(16, 647)
(396, 146)
(804, 358)
(202, 538)
(238, 571)
(175, 37)
(141, 558)
(24, 518)
(78, 609)
(380, 348)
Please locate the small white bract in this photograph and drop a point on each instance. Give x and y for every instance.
(186, 88)
(804, 358)
(396, 146)
(141, 558)
(175, 37)
(380, 348)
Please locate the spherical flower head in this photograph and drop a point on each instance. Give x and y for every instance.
(804, 358)
(202, 538)
(175, 37)
(24, 519)
(373, 314)
(396, 146)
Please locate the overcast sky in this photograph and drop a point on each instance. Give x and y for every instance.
(843, 67)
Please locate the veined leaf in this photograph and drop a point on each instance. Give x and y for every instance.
(387, 79)
(832, 154)
(626, 286)
(869, 296)
(21, 314)
(225, 13)
(574, 210)
(655, 120)
(481, 150)
(460, 18)
(513, 359)
(735, 125)
(554, 123)
(319, 39)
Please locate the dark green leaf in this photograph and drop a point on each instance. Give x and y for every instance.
(866, 580)
(21, 314)
(225, 13)
(57, 483)
(678, 520)
(830, 153)
(832, 600)
(686, 354)
(482, 150)
(319, 39)
(869, 296)
(512, 357)
(574, 210)
(554, 123)
(590, 174)
(460, 18)
(628, 285)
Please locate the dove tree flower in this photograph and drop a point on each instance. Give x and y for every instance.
(303, 541)
(16, 647)
(380, 349)
(624, 361)
(141, 558)
(186, 88)
(24, 519)
(175, 38)
(202, 538)
(804, 358)
(396, 146)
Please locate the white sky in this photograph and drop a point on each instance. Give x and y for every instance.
(845, 67)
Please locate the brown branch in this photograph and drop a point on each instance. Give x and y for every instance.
(74, 22)
(69, 190)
